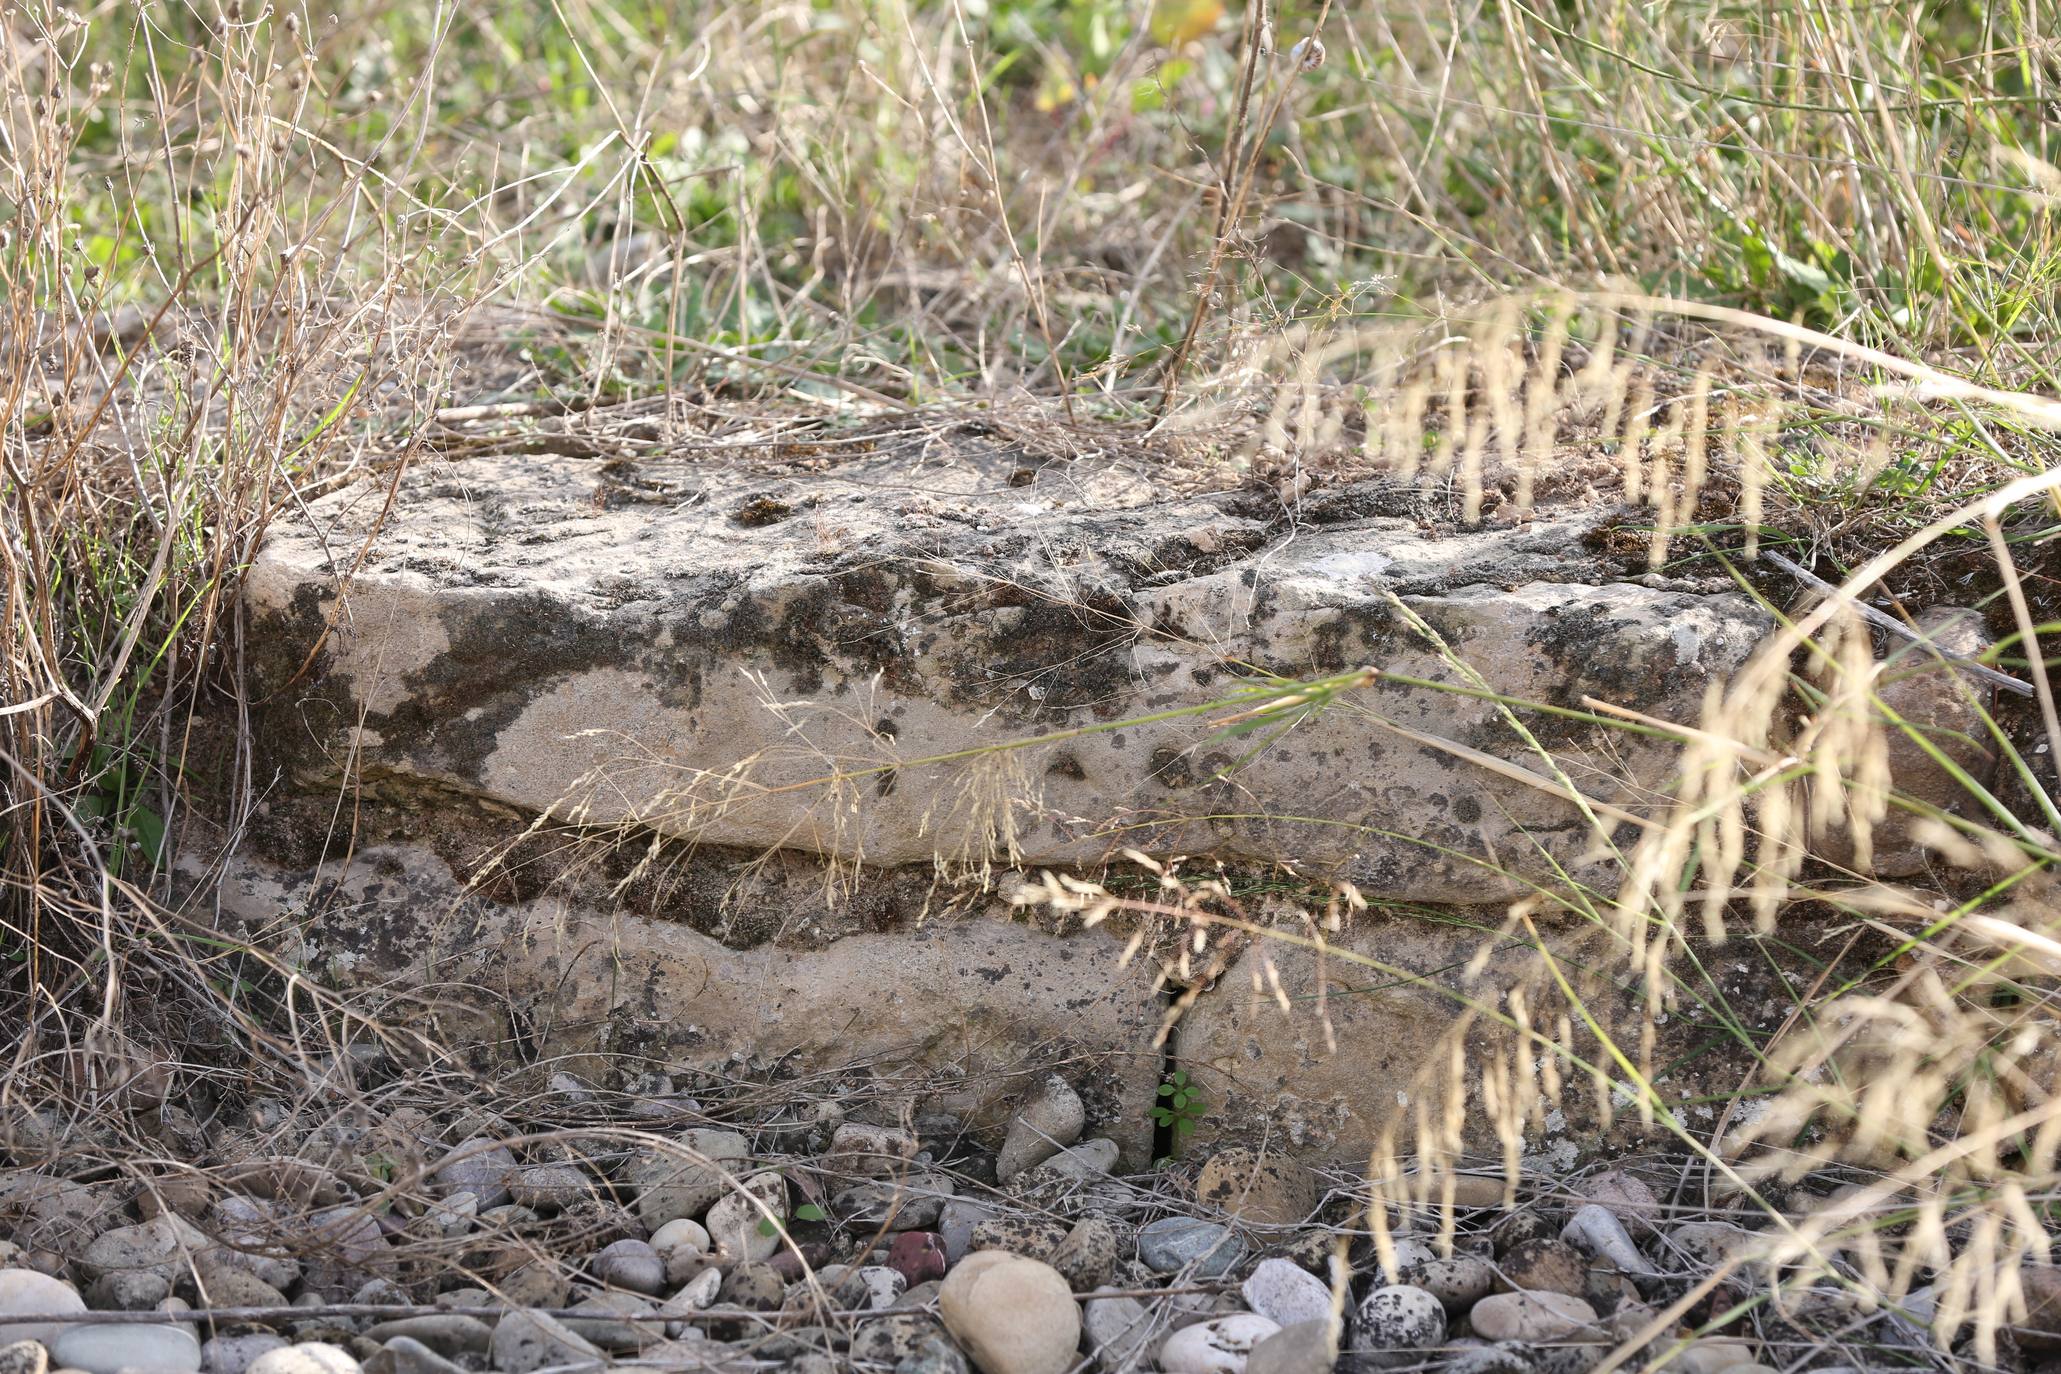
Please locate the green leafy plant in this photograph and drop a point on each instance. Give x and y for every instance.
(1179, 1109)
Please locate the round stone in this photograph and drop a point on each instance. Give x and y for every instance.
(1457, 1281)
(234, 1354)
(1506, 1357)
(526, 1341)
(549, 1187)
(1596, 1232)
(1033, 1237)
(1551, 1266)
(754, 1287)
(1049, 1120)
(308, 1357)
(1262, 1190)
(1089, 1254)
(24, 1357)
(738, 1224)
(681, 1233)
(1173, 1244)
(478, 1166)
(1286, 1294)
(1399, 1324)
(918, 1255)
(163, 1245)
(110, 1348)
(29, 1293)
(1707, 1244)
(1711, 1354)
(1089, 1159)
(1215, 1347)
(1626, 1195)
(870, 1151)
(631, 1264)
(1532, 1316)
(1305, 1348)
(683, 1182)
(1119, 1332)
(1013, 1315)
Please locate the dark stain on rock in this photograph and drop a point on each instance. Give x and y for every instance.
(1171, 768)
(762, 510)
(1065, 765)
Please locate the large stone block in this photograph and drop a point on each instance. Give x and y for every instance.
(826, 660)
(1393, 987)
(977, 1006)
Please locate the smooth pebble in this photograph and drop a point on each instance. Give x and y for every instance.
(1215, 1347)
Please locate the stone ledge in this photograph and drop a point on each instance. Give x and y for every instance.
(546, 634)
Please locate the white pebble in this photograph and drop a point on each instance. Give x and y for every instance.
(1285, 1293)
(1215, 1347)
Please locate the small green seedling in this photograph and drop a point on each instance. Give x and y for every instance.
(1179, 1109)
(808, 1211)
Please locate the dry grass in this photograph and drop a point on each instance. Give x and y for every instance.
(1777, 280)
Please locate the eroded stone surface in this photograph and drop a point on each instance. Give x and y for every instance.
(547, 633)
(988, 997)
(1391, 986)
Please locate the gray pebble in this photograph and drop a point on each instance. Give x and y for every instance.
(110, 1349)
(549, 1187)
(526, 1341)
(1596, 1232)
(631, 1264)
(1173, 1244)
(234, 1354)
(1304, 1348)
(1286, 1294)
(1503, 1357)
(403, 1355)
(956, 1220)
(1049, 1120)
(448, 1334)
(477, 1166)
(1120, 1332)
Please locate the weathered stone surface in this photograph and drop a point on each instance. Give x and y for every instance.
(547, 634)
(164, 1246)
(543, 633)
(307, 1357)
(1269, 1078)
(1260, 1190)
(738, 1222)
(1269, 1075)
(1305, 1348)
(1172, 1244)
(235, 1354)
(1944, 704)
(986, 993)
